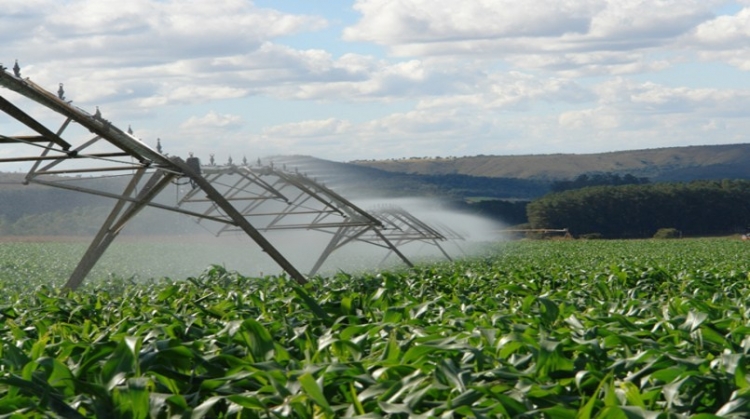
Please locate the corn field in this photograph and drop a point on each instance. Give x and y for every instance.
(547, 329)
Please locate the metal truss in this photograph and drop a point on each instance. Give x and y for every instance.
(87, 146)
(405, 228)
(73, 148)
(276, 199)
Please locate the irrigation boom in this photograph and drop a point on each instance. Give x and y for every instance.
(162, 169)
(73, 148)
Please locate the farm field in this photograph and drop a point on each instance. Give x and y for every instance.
(548, 329)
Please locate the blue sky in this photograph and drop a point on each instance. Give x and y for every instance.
(379, 79)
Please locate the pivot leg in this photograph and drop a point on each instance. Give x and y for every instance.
(115, 222)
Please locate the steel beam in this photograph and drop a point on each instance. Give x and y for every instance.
(32, 123)
(288, 200)
(103, 238)
(240, 221)
(127, 206)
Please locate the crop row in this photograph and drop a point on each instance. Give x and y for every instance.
(532, 329)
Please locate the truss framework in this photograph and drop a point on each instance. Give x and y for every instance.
(406, 228)
(60, 154)
(275, 199)
(255, 200)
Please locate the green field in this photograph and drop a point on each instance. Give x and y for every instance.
(550, 329)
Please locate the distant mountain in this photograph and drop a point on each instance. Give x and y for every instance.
(662, 164)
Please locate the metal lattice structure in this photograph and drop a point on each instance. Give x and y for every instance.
(70, 148)
(276, 199)
(99, 148)
(404, 228)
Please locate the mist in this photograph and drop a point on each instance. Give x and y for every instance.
(191, 252)
(158, 243)
(461, 234)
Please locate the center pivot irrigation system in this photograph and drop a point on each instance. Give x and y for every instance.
(77, 148)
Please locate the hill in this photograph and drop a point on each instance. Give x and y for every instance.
(356, 181)
(662, 164)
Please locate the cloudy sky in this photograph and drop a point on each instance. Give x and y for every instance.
(363, 79)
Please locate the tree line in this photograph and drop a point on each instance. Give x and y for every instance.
(694, 208)
(597, 179)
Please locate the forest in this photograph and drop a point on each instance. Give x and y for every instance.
(598, 179)
(513, 212)
(696, 208)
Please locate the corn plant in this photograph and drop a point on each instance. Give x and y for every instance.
(617, 329)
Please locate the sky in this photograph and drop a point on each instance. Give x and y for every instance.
(380, 79)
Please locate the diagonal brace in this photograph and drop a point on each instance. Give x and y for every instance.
(117, 220)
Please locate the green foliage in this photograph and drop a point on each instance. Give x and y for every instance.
(597, 179)
(549, 329)
(696, 208)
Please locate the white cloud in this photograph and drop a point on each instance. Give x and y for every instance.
(512, 91)
(724, 32)
(212, 121)
(310, 128)
(723, 39)
(427, 21)
(574, 38)
(149, 31)
(139, 39)
(414, 123)
(423, 27)
(644, 22)
(480, 76)
(595, 63)
(598, 118)
(652, 98)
